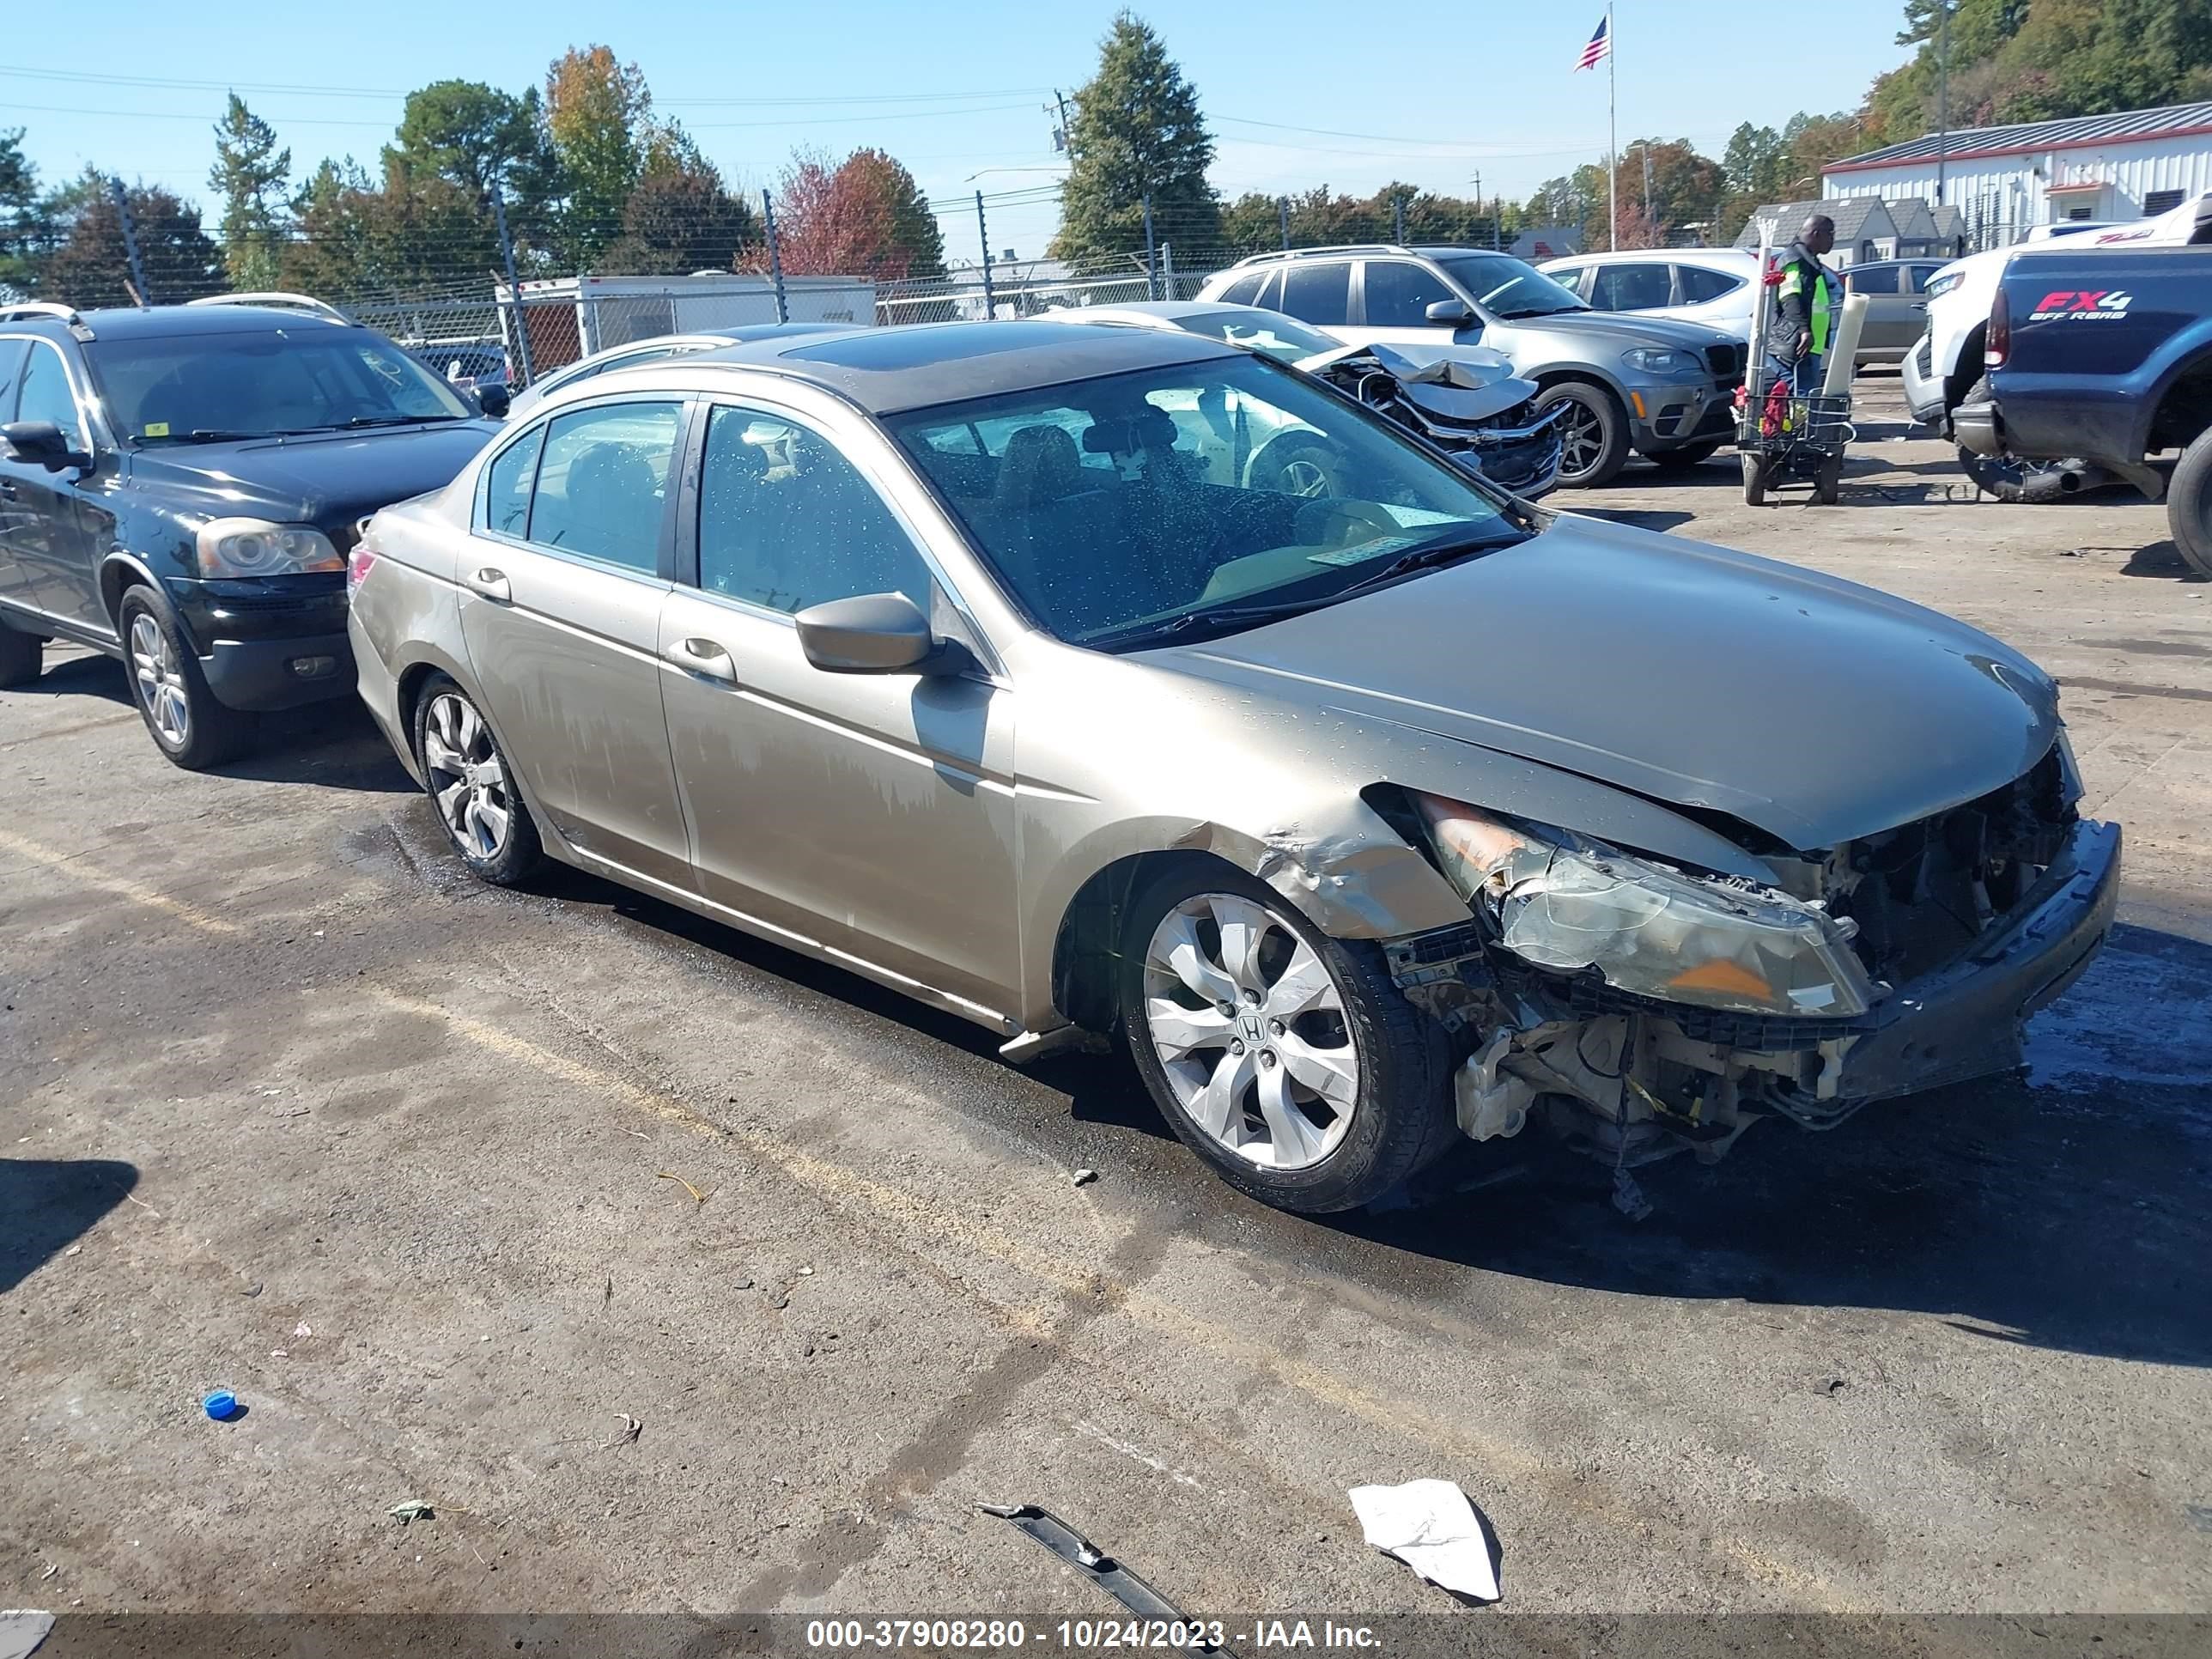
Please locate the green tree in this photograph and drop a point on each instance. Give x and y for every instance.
(680, 216)
(1137, 131)
(25, 227)
(477, 137)
(250, 174)
(599, 117)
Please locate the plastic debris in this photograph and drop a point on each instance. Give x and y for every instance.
(697, 1196)
(1084, 1177)
(1101, 1569)
(413, 1509)
(303, 1330)
(221, 1406)
(1432, 1528)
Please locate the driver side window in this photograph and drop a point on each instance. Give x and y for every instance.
(47, 395)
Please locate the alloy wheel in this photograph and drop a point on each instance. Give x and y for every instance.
(468, 778)
(161, 681)
(1580, 438)
(1304, 478)
(1250, 1029)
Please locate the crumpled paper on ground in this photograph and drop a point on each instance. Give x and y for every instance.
(1431, 1527)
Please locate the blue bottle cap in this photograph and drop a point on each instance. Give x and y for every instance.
(222, 1405)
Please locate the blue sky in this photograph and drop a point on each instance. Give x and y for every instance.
(1297, 92)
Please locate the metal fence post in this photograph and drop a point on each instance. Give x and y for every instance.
(1284, 203)
(1152, 263)
(983, 233)
(774, 256)
(1167, 270)
(513, 285)
(1398, 220)
(139, 289)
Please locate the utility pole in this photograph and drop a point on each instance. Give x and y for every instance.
(1283, 204)
(775, 256)
(1067, 144)
(1612, 135)
(1648, 226)
(139, 292)
(1398, 219)
(513, 285)
(1942, 94)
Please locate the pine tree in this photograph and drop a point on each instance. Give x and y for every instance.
(1137, 131)
(249, 174)
(25, 227)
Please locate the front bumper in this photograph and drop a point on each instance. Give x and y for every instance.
(1924, 387)
(1672, 414)
(1528, 463)
(1965, 1021)
(263, 645)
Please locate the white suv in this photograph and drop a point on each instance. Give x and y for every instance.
(1715, 286)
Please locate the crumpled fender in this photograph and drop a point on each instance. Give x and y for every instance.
(1349, 872)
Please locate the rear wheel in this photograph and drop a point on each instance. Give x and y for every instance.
(1593, 433)
(2189, 504)
(21, 654)
(1681, 460)
(465, 776)
(1828, 481)
(181, 713)
(1754, 480)
(1287, 1060)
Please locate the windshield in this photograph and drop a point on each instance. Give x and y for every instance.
(1284, 338)
(1123, 511)
(171, 390)
(1506, 288)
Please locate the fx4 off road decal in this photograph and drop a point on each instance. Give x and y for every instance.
(2089, 306)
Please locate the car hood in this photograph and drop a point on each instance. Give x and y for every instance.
(1620, 330)
(1462, 385)
(1812, 708)
(325, 479)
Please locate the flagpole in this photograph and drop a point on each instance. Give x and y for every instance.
(1612, 137)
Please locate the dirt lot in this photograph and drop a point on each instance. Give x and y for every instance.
(451, 1185)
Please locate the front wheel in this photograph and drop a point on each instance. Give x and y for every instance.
(465, 775)
(2189, 504)
(1828, 481)
(1286, 1059)
(181, 713)
(1593, 433)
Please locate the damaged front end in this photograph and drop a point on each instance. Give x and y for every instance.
(1641, 1009)
(1464, 399)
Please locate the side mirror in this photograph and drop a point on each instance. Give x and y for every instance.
(495, 400)
(41, 443)
(868, 633)
(1452, 313)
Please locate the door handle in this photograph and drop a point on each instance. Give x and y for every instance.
(6, 489)
(705, 659)
(490, 584)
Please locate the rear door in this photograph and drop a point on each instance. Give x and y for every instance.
(16, 522)
(1319, 292)
(870, 813)
(563, 588)
(54, 530)
(1894, 319)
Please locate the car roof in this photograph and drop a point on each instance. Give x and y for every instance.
(1149, 311)
(916, 365)
(1718, 256)
(166, 322)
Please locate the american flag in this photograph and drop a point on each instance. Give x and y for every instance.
(1600, 44)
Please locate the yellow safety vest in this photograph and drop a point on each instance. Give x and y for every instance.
(1820, 313)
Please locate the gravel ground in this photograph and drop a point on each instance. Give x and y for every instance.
(454, 1186)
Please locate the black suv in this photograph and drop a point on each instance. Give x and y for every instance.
(180, 487)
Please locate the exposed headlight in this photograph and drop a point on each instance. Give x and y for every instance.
(1943, 284)
(254, 547)
(1660, 360)
(1561, 902)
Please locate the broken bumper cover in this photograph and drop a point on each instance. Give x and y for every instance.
(1965, 1021)
(1524, 460)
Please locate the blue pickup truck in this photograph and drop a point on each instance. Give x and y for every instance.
(2106, 354)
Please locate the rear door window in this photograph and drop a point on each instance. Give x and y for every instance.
(603, 482)
(1638, 287)
(1872, 279)
(1245, 290)
(1698, 284)
(1318, 292)
(507, 485)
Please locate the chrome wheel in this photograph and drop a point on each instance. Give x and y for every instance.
(1250, 1029)
(160, 680)
(1580, 438)
(468, 779)
(1304, 478)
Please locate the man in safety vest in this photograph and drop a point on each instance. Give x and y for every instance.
(1806, 307)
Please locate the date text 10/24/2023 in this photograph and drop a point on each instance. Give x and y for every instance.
(1198, 1635)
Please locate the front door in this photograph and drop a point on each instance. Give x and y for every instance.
(561, 593)
(52, 534)
(1396, 295)
(872, 813)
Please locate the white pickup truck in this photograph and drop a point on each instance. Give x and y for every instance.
(1942, 371)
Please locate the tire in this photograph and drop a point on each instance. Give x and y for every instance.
(21, 655)
(181, 713)
(1593, 433)
(1754, 480)
(1681, 460)
(465, 775)
(1383, 1108)
(1297, 463)
(2189, 504)
(1828, 481)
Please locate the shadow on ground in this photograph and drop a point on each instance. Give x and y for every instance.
(50, 1204)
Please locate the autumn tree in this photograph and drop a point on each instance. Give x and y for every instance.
(599, 117)
(864, 217)
(250, 175)
(91, 265)
(1137, 132)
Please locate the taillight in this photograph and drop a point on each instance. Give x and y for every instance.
(359, 564)
(1998, 345)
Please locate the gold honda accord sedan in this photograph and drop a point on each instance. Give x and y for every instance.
(972, 657)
